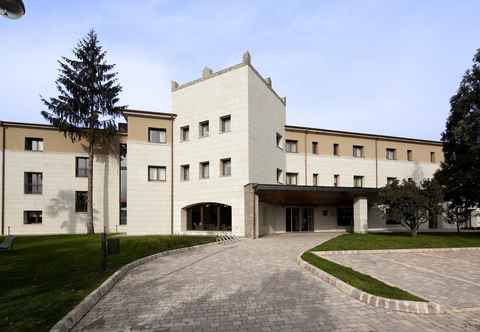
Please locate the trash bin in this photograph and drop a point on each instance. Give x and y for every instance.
(113, 246)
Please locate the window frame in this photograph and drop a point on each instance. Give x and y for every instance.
(201, 125)
(393, 151)
(360, 178)
(202, 166)
(28, 187)
(182, 172)
(314, 147)
(278, 140)
(336, 180)
(183, 130)
(77, 173)
(336, 149)
(158, 173)
(28, 144)
(223, 161)
(152, 129)
(25, 217)
(391, 179)
(290, 175)
(289, 143)
(315, 179)
(223, 120)
(279, 175)
(410, 155)
(433, 158)
(77, 205)
(359, 147)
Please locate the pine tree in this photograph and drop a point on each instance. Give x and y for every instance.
(460, 172)
(85, 108)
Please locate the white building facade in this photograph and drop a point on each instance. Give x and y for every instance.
(223, 160)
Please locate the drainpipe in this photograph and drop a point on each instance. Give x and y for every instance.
(305, 148)
(3, 178)
(376, 163)
(171, 175)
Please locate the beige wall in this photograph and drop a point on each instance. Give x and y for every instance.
(138, 127)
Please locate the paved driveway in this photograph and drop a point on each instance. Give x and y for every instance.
(252, 285)
(450, 278)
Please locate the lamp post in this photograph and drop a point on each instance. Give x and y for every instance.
(12, 9)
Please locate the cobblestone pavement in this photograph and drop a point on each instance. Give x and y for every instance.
(251, 285)
(450, 278)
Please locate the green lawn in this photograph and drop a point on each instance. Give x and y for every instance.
(400, 241)
(44, 277)
(359, 280)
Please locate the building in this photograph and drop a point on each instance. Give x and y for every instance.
(222, 161)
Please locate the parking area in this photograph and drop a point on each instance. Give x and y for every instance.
(450, 278)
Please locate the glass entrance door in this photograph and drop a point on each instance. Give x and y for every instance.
(299, 219)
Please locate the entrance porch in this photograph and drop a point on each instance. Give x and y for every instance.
(273, 209)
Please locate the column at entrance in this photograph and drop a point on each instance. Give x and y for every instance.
(360, 215)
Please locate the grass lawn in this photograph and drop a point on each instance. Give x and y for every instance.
(400, 241)
(44, 277)
(359, 280)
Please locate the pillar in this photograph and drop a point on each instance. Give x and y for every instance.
(360, 215)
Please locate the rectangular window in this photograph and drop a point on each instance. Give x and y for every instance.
(33, 144)
(185, 172)
(279, 175)
(203, 128)
(391, 180)
(157, 173)
(123, 184)
(432, 157)
(336, 180)
(204, 170)
(391, 154)
(315, 179)
(279, 140)
(358, 151)
(157, 135)
(409, 155)
(32, 217)
(291, 146)
(292, 178)
(81, 201)
(226, 167)
(33, 183)
(225, 124)
(315, 147)
(358, 181)
(336, 148)
(81, 167)
(184, 133)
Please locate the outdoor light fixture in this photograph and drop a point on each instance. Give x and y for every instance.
(12, 9)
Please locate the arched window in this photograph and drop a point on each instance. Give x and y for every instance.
(209, 217)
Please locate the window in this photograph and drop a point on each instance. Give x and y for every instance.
(292, 178)
(315, 147)
(336, 151)
(157, 135)
(336, 180)
(391, 180)
(409, 155)
(358, 181)
(279, 175)
(123, 184)
(226, 167)
(32, 217)
(225, 124)
(291, 146)
(432, 157)
(185, 172)
(33, 144)
(203, 129)
(279, 140)
(325, 213)
(358, 151)
(184, 133)
(157, 173)
(315, 179)
(81, 167)
(81, 201)
(33, 183)
(204, 170)
(391, 154)
(209, 217)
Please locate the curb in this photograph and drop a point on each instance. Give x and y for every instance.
(385, 251)
(81, 309)
(425, 308)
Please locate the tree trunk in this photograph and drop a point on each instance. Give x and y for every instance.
(90, 227)
(458, 227)
(413, 232)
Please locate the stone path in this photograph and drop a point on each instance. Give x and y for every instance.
(450, 278)
(252, 285)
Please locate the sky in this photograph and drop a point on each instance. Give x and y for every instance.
(385, 67)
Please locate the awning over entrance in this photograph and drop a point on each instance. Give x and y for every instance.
(311, 195)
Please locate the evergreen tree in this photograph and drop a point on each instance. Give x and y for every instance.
(460, 172)
(85, 108)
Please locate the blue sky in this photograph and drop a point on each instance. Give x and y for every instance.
(386, 67)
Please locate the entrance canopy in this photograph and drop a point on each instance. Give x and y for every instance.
(311, 195)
